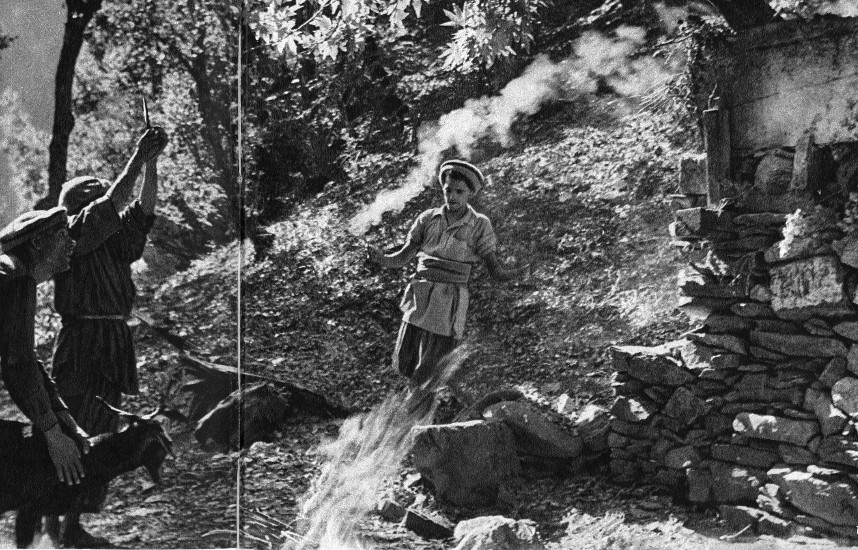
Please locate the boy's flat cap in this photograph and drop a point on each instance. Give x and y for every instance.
(29, 224)
(466, 169)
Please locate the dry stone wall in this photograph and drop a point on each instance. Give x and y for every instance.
(756, 410)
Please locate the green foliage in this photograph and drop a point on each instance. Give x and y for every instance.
(327, 29)
(490, 30)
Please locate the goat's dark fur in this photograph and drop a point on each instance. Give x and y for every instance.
(29, 483)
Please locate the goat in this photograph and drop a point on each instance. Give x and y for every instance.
(28, 480)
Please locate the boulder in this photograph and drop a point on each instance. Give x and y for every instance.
(735, 484)
(804, 287)
(774, 428)
(536, 433)
(773, 175)
(799, 345)
(653, 365)
(497, 533)
(844, 395)
(466, 462)
(831, 419)
(834, 500)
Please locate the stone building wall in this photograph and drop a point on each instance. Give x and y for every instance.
(756, 410)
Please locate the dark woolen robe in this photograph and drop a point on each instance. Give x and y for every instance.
(94, 354)
(25, 377)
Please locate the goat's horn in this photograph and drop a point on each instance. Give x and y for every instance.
(158, 410)
(110, 407)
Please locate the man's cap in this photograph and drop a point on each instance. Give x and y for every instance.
(80, 191)
(466, 169)
(28, 225)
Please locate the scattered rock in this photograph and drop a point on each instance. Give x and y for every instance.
(535, 434)
(497, 533)
(391, 511)
(833, 501)
(426, 526)
(466, 462)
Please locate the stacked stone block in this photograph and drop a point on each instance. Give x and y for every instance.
(756, 410)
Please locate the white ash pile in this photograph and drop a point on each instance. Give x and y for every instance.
(756, 410)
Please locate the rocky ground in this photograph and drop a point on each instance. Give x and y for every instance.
(583, 195)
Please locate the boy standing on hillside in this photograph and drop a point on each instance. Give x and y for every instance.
(94, 355)
(448, 241)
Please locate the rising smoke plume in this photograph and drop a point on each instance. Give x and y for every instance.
(597, 58)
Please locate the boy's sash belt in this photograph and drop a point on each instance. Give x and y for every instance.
(437, 270)
(72, 318)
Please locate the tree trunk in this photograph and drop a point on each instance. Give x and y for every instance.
(744, 14)
(80, 13)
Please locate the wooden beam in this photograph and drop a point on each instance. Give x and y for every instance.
(744, 14)
(717, 125)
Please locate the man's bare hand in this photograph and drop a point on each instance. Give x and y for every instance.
(151, 143)
(78, 434)
(64, 455)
